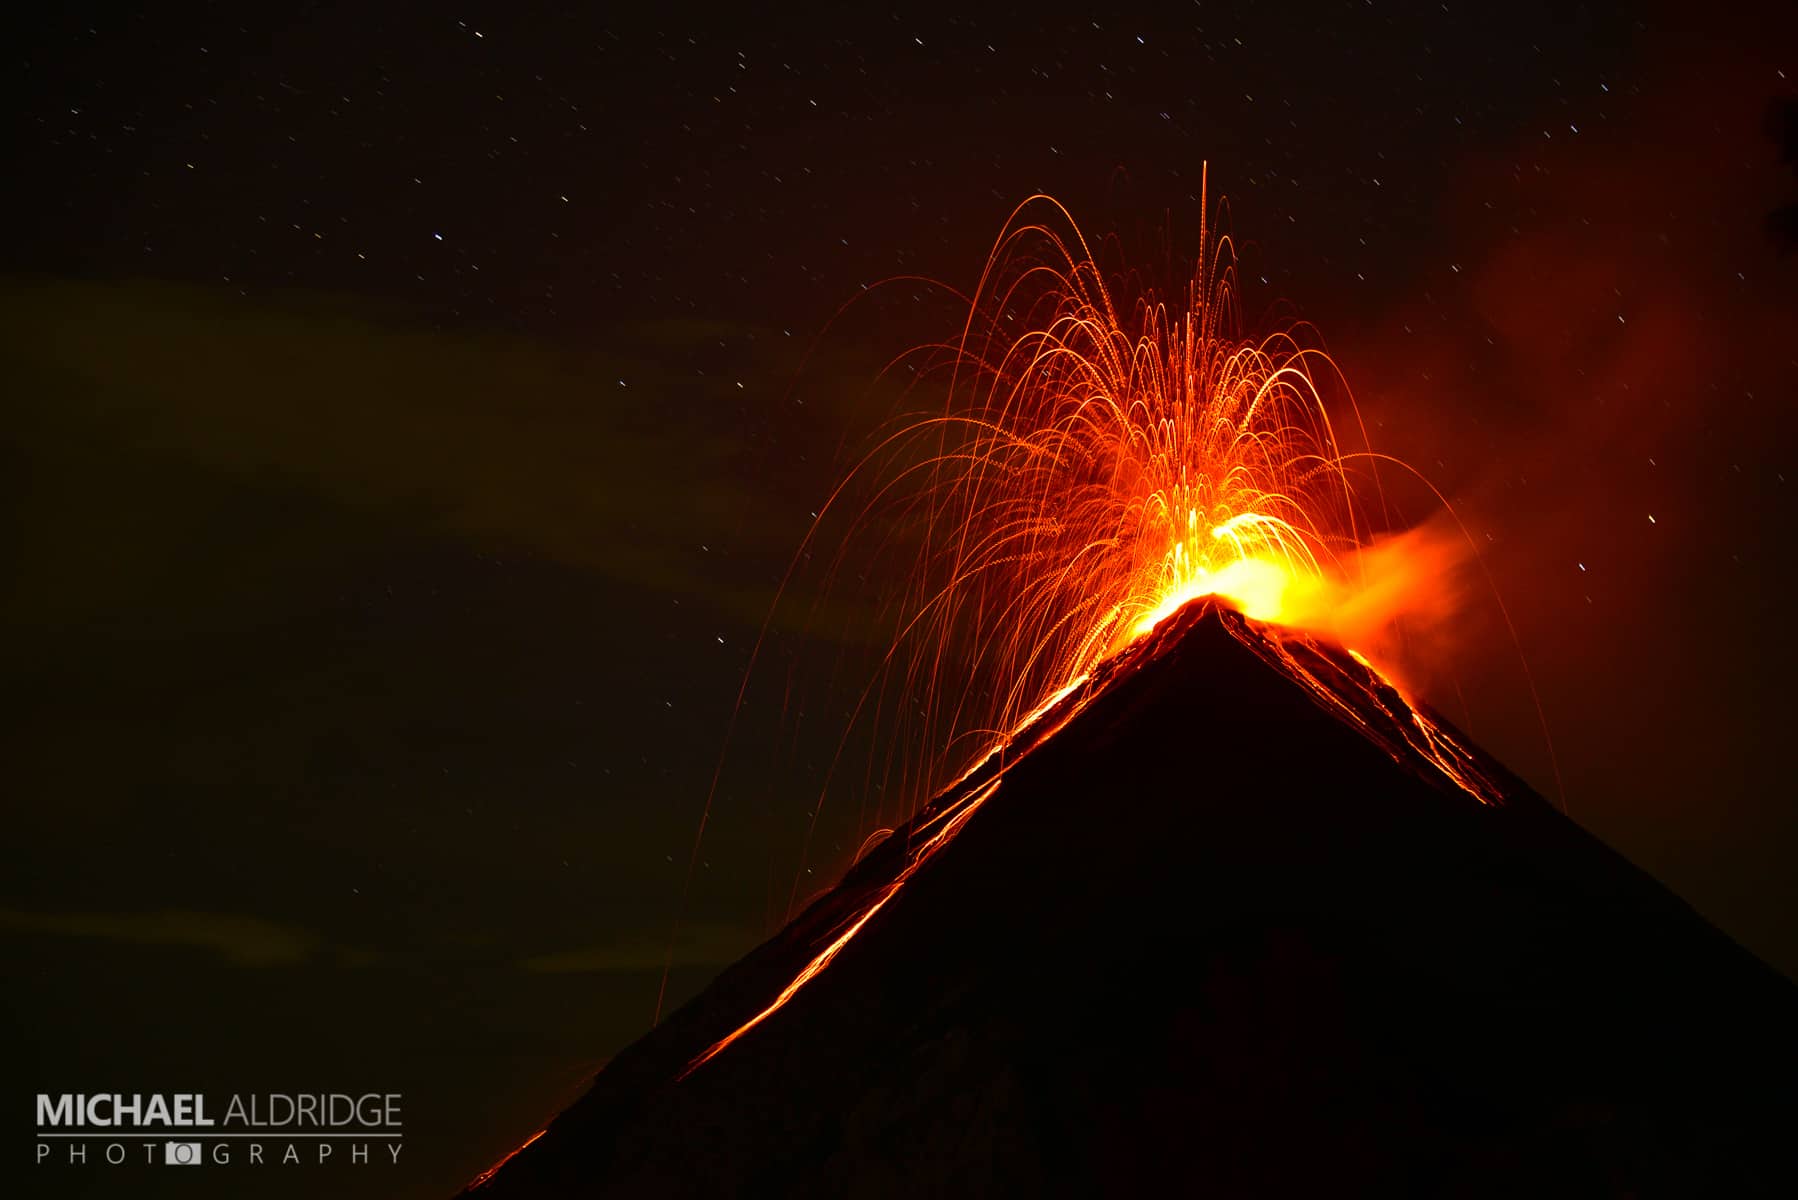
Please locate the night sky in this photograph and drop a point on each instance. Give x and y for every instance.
(412, 412)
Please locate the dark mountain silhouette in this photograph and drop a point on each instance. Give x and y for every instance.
(1216, 931)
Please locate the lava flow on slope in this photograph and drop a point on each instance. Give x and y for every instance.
(1350, 954)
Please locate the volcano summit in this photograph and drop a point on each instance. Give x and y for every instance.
(1358, 958)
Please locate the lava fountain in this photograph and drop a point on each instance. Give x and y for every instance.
(1101, 458)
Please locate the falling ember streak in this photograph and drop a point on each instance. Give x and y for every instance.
(868, 843)
(481, 1180)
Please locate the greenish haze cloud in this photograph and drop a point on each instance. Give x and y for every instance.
(241, 940)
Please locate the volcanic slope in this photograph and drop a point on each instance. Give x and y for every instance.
(1219, 921)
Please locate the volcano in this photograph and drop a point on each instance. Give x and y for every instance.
(1231, 917)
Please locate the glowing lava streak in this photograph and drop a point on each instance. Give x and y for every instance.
(822, 959)
(934, 834)
(486, 1177)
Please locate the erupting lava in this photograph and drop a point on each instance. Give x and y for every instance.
(1096, 465)
(1100, 457)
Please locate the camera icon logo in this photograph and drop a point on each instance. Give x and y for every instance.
(182, 1154)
